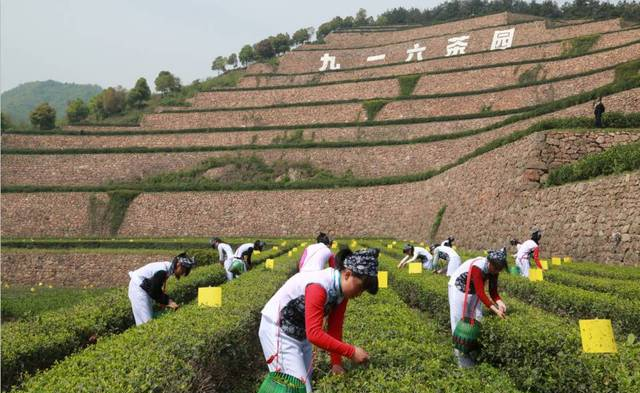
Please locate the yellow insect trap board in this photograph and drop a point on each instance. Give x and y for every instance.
(415, 268)
(556, 261)
(383, 279)
(269, 264)
(535, 275)
(597, 336)
(567, 259)
(545, 264)
(210, 296)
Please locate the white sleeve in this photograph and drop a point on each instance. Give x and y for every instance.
(404, 259)
(220, 253)
(414, 257)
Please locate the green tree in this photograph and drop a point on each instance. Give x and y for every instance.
(77, 111)
(246, 55)
(219, 64)
(96, 107)
(43, 117)
(166, 83)
(5, 123)
(281, 43)
(264, 50)
(301, 36)
(114, 100)
(139, 94)
(232, 60)
(362, 19)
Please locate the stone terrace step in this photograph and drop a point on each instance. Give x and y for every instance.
(442, 83)
(239, 137)
(477, 41)
(511, 99)
(95, 169)
(473, 60)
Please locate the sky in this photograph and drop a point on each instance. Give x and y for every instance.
(115, 42)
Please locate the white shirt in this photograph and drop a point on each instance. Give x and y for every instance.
(417, 251)
(148, 270)
(296, 286)
(450, 255)
(480, 262)
(241, 250)
(525, 251)
(315, 257)
(225, 252)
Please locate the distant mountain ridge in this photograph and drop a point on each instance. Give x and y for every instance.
(18, 102)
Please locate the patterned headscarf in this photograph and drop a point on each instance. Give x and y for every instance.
(364, 263)
(498, 257)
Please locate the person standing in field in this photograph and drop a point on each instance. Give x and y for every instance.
(292, 320)
(598, 111)
(149, 283)
(317, 256)
(526, 251)
(225, 255)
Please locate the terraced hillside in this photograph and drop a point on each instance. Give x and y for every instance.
(383, 127)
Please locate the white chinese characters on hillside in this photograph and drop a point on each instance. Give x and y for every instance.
(328, 62)
(502, 39)
(457, 45)
(416, 50)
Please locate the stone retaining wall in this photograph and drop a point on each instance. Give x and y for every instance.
(405, 109)
(73, 269)
(363, 133)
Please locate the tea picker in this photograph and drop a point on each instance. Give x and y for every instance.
(242, 258)
(466, 291)
(526, 251)
(317, 256)
(149, 283)
(447, 254)
(448, 241)
(413, 253)
(225, 255)
(292, 320)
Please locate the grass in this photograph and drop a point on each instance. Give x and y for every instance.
(580, 45)
(436, 223)
(408, 84)
(616, 160)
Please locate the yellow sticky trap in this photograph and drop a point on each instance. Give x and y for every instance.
(556, 261)
(383, 279)
(597, 336)
(303, 244)
(394, 242)
(545, 264)
(284, 243)
(421, 244)
(535, 275)
(210, 296)
(389, 246)
(295, 249)
(415, 268)
(334, 245)
(290, 254)
(256, 252)
(275, 248)
(269, 263)
(567, 260)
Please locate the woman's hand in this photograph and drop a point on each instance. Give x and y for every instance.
(498, 311)
(502, 306)
(360, 355)
(337, 369)
(173, 305)
(401, 265)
